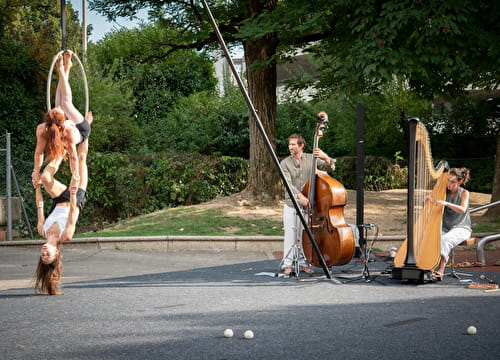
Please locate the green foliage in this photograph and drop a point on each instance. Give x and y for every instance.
(383, 112)
(29, 38)
(339, 138)
(153, 82)
(160, 85)
(207, 124)
(463, 132)
(380, 173)
(138, 56)
(19, 115)
(385, 116)
(487, 226)
(439, 47)
(122, 186)
(111, 102)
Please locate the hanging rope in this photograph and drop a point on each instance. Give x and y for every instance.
(63, 24)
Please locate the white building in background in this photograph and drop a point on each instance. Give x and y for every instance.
(223, 71)
(285, 72)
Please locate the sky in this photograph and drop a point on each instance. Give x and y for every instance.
(100, 24)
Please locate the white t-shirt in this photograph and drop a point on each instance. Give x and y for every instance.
(60, 216)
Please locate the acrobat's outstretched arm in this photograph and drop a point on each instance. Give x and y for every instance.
(39, 209)
(74, 211)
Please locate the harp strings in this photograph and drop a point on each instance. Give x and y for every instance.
(425, 178)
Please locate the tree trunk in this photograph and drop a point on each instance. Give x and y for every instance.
(494, 211)
(263, 179)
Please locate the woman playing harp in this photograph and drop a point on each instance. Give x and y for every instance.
(456, 219)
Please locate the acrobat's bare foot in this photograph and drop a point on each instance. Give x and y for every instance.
(67, 61)
(60, 64)
(90, 117)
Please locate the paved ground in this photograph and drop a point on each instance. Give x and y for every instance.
(176, 305)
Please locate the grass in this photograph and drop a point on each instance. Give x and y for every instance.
(486, 226)
(189, 221)
(193, 221)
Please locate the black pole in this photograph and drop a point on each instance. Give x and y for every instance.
(360, 174)
(63, 24)
(266, 139)
(410, 201)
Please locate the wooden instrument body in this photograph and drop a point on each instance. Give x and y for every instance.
(427, 231)
(326, 221)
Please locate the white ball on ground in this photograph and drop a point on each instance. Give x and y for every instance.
(248, 334)
(228, 333)
(471, 330)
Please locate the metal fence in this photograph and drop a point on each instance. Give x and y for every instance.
(17, 196)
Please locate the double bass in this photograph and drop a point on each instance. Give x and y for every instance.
(325, 214)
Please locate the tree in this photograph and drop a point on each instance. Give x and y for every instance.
(268, 30)
(439, 48)
(111, 102)
(155, 85)
(30, 35)
(436, 47)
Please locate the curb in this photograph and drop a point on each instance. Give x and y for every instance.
(199, 243)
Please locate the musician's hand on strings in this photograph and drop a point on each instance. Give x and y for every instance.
(320, 154)
(442, 203)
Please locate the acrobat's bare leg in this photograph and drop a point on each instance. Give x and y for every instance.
(83, 150)
(51, 185)
(60, 68)
(68, 64)
(65, 93)
(63, 64)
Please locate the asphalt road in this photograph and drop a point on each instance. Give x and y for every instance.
(176, 305)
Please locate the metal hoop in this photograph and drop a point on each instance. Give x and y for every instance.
(82, 70)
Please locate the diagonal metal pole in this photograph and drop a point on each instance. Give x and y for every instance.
(28, 223)
(266, 140)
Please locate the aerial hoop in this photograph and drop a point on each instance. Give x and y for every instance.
(82, 70)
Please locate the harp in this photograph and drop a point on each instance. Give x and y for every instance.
(420, 253)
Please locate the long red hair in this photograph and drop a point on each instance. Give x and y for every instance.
(54, 120)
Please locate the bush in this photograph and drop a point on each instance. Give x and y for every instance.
(206, 124)
(122, 186)
(380, 173)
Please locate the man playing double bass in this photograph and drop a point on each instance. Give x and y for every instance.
(297, 169)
